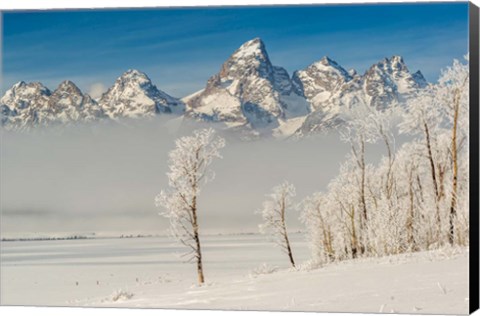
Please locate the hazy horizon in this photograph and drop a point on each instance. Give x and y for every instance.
(105, 179)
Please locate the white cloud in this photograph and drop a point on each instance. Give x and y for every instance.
(96, 90)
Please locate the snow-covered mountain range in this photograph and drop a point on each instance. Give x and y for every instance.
(133, 95)
(249, 94)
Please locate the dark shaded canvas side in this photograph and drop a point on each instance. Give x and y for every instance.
(474, 117)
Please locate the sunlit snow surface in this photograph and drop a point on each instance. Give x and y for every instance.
(242, 272)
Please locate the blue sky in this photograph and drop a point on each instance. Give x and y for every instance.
(181, 48)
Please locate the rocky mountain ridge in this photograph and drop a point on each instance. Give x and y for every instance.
(248, 93)
(133, 95)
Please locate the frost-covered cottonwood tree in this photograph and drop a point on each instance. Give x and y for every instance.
(366, 125)
(416, 196)
(274, 211)
(323, 227)
(189, 168)
(424, 118)
(440, 113)
(453, 89)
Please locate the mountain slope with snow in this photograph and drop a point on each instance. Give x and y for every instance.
(29, 105)
(69, 104)
(249, 95)
(320, 81)
(333, 92)
(248, 92)
(26, 106)
(134, 95)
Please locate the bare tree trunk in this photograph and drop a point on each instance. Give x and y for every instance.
(354, 233)
(434, 178)
(360, 159)
(196, 237)
(289, 249)
(389, 179)
(420, 188)
(285, 234)
(350, 213)
(361, 164)
(430, 158)
(329, 245)
(411, 214)
(327, 237)
(453, 201)
(441, 181)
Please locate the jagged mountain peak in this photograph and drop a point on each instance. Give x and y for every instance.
(69, 105)
(394, 59)
(132, 79)
(325, 60)
(254, 47)
(68, 86)
(134, 74)
(397, 59)
(320, 80)
(250, 59)
(67, 83)
(67, 90)
(393, 64)
(326, 64)
(248, 92)
(23, 94)
(134, 95)
(420, 79)
(29, 88)
(19, 84)
(332, 94)
(392, 79)
(27, 105)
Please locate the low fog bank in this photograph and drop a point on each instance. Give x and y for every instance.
(105, 179)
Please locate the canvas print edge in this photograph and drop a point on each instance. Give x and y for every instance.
(474, 153)
(474, 156)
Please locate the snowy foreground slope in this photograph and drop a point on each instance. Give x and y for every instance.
(416, 284)
(146, 272)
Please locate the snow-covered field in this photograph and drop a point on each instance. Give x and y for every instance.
(242, 272)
